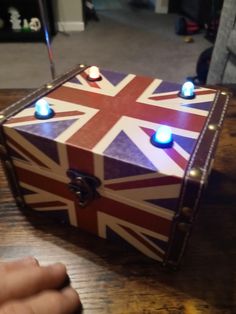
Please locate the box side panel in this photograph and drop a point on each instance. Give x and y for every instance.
(196, 179)
(8, 167)
(136, 207)
(136, 210)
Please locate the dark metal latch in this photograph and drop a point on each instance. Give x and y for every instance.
(84, 186)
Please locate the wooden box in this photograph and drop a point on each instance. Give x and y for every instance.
(93, 163)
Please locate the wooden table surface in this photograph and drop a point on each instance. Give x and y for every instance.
(111, 280)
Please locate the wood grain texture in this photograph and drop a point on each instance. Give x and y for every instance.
(112, 280)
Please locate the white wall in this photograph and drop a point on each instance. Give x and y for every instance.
(69, 15)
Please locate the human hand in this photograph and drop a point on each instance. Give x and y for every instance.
(28, 288)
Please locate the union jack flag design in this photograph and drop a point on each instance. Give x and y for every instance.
(103, 128)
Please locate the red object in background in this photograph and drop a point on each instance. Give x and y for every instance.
(192, 27)
(185, 26)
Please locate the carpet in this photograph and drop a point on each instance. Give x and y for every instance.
(129, 41)
(108, 4)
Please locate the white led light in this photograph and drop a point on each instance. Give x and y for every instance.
(94, 73)
(42, 107)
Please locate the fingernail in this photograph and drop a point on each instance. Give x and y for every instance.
(58, 268)
(30, 260)
(72, 294)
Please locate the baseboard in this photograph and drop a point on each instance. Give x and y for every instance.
(70, 26)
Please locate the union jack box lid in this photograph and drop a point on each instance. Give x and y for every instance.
(142, 195)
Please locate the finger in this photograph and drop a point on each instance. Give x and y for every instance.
(54, 302)
(65, 283)
(28, 281)
(18, 264)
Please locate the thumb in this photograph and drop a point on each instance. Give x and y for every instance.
(65, 302)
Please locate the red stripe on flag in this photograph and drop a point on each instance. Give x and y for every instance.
(143, 241)
(205, 92)
(171, 152)
(80, 159)
(91, 83)
(175, 96)
(46, 204)
(87, 218)
(176, 157)
(111, 109)
(47, 184)
(134, 215)
(33, 119)
(154, 182)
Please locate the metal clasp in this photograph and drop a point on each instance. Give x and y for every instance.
(84, 186)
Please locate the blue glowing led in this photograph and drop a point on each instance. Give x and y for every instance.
(163, 137)
(43, 110)
(187, 90)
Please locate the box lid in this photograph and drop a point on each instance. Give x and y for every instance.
(116, 117)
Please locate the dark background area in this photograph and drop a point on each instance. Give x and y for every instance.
(200, 11)
(27, 9)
